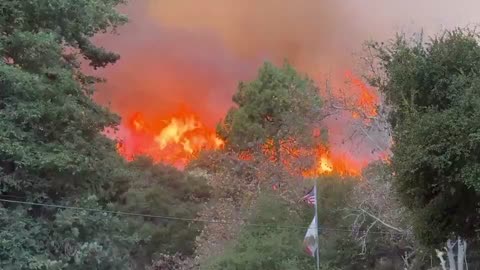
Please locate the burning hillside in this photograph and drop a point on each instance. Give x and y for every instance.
(176, 139)
(176, 53)
(173, 141)
(166, 73)
(179, 140)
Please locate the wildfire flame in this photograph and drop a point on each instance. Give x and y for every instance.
(181, 139)
(177, 71)
(365, 101)
(175, 141)
(326, 163)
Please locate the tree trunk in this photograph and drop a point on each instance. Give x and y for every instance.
(461, 253)
(442, 260)
(460, 263)
(451, 256)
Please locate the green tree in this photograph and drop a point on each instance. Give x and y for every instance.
(165, 191)
(433, 90)
(50, 128)
(278, 246)
(53, 149)
(52, 146)
(276, 239)
(74, 240)
(278, 106)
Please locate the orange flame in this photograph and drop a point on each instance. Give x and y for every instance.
(177, 140)
(366, 101)
(326, 163)
(174, 133)
(137, 122)
(182, 139)
(175, 143)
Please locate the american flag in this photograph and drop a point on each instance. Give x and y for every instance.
(310, 197)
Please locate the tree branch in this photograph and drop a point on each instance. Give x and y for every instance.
(381, 221)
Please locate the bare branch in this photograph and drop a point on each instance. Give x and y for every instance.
(442, 260)
(383, 222)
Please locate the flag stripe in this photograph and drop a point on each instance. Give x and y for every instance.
(310, 197)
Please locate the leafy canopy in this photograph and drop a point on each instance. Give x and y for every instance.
(279, 105)
(434, 91)
(53, 148)
(74, 240)
(164, 191)
(50, 128)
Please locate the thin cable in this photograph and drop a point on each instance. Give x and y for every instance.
(144, 215)
(170, 217)
(13, 196)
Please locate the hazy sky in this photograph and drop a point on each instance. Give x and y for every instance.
(202, 48)
(310, 32)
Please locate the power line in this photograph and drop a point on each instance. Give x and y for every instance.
(171, 218)
(143, 215)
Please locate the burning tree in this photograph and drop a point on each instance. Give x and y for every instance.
(276, 115)
(362, 106)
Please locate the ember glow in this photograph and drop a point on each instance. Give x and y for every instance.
(327, 163)
(365, 99)
(174, 141)
(324, 164)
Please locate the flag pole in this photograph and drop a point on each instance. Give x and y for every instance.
(316, 225)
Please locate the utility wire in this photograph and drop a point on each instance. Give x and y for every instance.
(142, 215)
(171, 218)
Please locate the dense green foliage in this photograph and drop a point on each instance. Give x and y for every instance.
(165, 191)
(279, 105)
(434, 93)
(50, 128)
(53, 149)
(74, 240)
